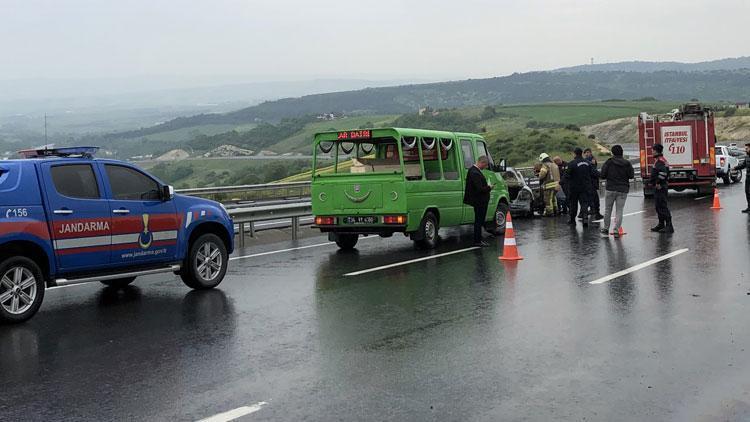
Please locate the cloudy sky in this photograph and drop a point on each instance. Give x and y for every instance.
(257, 40)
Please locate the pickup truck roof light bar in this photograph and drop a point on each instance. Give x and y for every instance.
(83, 152)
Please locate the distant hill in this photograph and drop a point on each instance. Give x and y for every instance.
(639, 66)
(534, 87)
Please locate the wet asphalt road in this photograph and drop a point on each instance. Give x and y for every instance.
(461, 337)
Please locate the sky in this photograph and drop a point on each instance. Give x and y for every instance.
(225, 41)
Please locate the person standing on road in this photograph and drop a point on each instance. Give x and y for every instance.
(549, 179)
(477, 194)
(747, 179)
(660, 181)
(562, 194)
(594, 207)
(617, 172)
(579, 186)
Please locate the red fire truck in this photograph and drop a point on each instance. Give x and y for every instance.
(688, 138)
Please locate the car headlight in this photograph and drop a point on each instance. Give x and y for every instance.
(524, 195)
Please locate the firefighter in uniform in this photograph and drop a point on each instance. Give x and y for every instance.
(660, 181)
(549, 178)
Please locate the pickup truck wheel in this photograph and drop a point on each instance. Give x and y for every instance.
(497, 225)
(736, 175)
(725, 178)
(206, 263)
(428, 231)
(119, 282)
(21, 289)
(347, 241)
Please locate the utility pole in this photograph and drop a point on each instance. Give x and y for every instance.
(45, 130)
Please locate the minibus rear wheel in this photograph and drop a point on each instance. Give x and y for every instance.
(347, 241)
(428, 231)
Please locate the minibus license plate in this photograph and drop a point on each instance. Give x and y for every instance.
(361, 220)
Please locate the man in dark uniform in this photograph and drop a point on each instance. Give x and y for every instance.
(477, 194)
(747, 178)
(660, 182)
(578, 181)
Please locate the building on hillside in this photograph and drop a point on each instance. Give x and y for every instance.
(742, 105)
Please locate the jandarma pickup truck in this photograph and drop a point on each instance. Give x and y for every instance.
(67, 218)
(392, 180)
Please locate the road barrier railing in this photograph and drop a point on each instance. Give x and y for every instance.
(268, 191)
(250, 215)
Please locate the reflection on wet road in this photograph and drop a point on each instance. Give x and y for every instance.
(458, 336)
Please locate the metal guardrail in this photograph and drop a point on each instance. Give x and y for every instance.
(272, 191)
(250, 215)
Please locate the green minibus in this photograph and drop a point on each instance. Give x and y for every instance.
(393, 180)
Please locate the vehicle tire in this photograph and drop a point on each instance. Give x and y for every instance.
(119, 282)
(347, 241)
(206, 263)
(737, 176)
(497, 226)
(428, 231)
(727, 180)
(21, 289)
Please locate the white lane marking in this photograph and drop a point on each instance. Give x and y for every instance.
(633, 213)
(235, 413)
(411, 261)
(316, 245)
(638, 267)
(702, 197)
(287, 221)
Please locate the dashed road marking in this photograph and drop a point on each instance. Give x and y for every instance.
(703, 197)
(638, 267)
(411, 261)
(633, 213)
(316, 245)
(235, 413)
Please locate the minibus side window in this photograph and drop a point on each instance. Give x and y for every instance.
(412, 165)
(468, 153)
(448, 155)
(430, 148)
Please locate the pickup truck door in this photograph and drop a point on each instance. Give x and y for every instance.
(144, 227)
(79, 215)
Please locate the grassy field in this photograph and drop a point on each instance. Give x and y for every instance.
(586, 113)
(302, 141)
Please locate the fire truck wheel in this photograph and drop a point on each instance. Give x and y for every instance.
(21, 289)
(346, 241)
(206, 263)
(119, 282)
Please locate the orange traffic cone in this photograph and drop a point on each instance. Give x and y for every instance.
(717, 203)
(510, 251)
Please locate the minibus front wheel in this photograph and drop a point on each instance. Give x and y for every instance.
(497, 225)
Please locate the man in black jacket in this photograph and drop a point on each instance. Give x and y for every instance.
(617, 172)
(660, 182)
(477, 194)
(578, 176)
(747, 179)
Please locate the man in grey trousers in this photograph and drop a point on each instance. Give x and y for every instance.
(617, 171)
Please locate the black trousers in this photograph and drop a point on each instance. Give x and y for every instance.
(747, 187)
(480, 211)
(579, 197)
(662, 207)
(595, 201)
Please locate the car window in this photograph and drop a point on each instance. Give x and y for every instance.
(468, 153)
(129, 184)
(75, 181)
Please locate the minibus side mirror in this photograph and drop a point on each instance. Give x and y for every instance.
(500, 168)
